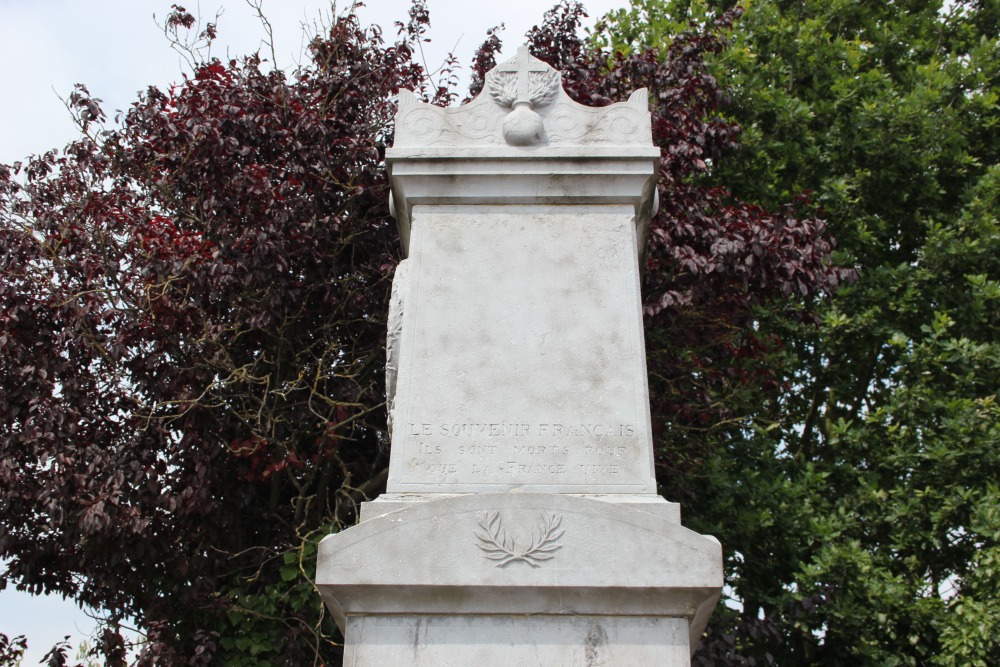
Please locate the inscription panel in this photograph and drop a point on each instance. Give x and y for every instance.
(522, 364)
(511, 453)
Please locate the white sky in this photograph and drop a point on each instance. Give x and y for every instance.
(115, 49)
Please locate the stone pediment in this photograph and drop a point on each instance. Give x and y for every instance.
(522, 105)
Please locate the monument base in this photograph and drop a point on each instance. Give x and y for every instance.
(520, 578)
(432, 641)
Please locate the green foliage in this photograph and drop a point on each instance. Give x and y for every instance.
(870, 487)
(265, 613)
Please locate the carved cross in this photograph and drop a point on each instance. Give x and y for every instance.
(522, 66)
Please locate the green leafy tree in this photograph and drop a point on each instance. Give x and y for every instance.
(860, 511)
(192, 327)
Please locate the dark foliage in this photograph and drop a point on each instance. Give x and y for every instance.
(11, 650)
(192, 326)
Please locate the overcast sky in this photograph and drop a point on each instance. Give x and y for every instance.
(115, 48)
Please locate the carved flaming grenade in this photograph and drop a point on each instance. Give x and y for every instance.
(523, 83)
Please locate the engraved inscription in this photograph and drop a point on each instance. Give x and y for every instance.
(498, 545)
(516, 452)
(441, 468)
(583, 430)
(518, 430)
(485, 430)
(540, 449)
(477, 450)
(602, 468)
(515, 468)
(600, 450)
(563, 409)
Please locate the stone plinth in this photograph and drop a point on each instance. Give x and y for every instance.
(521, 523)
(624, 568)
(432, 641)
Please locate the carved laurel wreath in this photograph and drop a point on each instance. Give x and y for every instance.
(542, 87)
(501, 548)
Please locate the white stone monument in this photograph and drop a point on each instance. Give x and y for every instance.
(521, 524)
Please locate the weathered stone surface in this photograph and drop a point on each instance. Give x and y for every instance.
(518, 360)
(464, 155)
(521, 553)
(651, 504)
(433, 641)
(502, 115)
(521, 524)
(523, 365)
(499, 177)
(394, 338)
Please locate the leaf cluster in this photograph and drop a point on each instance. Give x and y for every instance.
(868, 485)
(192, 332)
(191, 337)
